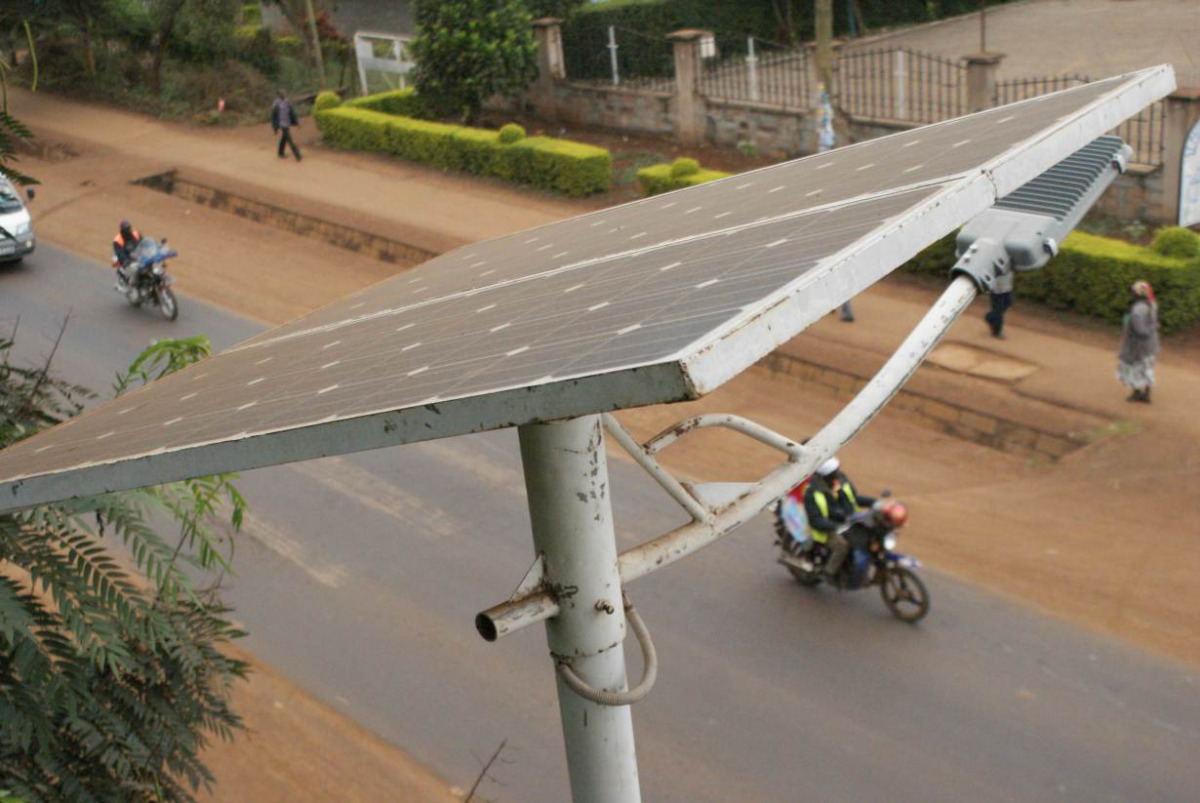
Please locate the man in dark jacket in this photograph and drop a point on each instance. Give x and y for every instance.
(283, 117)
(829, 501)
(124, 244)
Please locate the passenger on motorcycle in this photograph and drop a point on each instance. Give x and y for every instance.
(829, 502)
(124, 243)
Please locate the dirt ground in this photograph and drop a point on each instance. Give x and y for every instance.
(297, 748)
(1106, 538)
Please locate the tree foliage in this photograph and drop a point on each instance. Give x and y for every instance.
(111, 678)
(469, 50)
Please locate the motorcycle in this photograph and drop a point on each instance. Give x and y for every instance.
(871, 560)
(144, 279)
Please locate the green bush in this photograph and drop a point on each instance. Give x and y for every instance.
(288, 44)
(403, 102)
(1092, 274)
(660, 178)
(550, 164)
(1176, 241)
(684, 166)
(326, 100)
(558, 165)
(510, 133)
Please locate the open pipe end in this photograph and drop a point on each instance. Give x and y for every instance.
(486, 627)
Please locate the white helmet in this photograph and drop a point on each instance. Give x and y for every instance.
(829, 467)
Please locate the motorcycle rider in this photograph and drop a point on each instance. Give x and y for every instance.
(124, 244)
(829, 501)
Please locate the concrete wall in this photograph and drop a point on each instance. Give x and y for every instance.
(352, 239)
(774, 131)
(637, 111)
(973, 424)
(1136, 195)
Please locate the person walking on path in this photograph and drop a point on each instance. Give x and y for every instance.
(283, 117)
(1001, 296)
(1139, 343)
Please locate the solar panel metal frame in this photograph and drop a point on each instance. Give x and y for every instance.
(696, 370)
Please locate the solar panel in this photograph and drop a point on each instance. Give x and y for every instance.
(659, 300)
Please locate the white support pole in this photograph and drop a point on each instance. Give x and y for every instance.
(566, 477)
(752, 67)
(612, 54)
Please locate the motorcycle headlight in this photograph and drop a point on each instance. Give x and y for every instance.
(889, 542)
(158, 270)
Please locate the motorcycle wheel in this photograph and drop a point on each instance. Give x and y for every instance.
(804, 578)
(904, 595)
(166, 303)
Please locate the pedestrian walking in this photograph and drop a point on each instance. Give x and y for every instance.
(1001, 296)
(283, 117)
(1139, 343)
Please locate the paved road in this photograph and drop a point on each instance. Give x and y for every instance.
(360, 577)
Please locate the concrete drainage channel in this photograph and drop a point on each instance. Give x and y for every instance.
(348, 237)
(961, 421)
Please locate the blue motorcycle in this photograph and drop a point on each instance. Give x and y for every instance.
(144, 279)
(872, 559)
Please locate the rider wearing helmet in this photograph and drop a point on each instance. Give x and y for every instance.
(124, 243)
(829, 501)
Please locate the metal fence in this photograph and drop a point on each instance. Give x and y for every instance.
(756, 71)
(900, 84)
(624, 58)
(1143, 133)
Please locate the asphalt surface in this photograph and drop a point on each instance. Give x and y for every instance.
(360, 576)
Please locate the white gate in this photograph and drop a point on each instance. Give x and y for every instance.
(383, 59)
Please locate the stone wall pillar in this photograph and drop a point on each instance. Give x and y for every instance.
(688, 104)
(1181, 112)
(548, 33)
(981, 80)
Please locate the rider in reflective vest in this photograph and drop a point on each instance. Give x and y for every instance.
(829, 501)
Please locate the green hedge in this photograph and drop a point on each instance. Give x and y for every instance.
(403, 102)
(661, 178)
(550, 164)
(1092, 275)
(326, 100)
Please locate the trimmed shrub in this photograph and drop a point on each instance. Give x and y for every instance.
(550, 164)
(684, 166)
(288, 44)
(559, 165)
(1092, 275)
(475, 150)
(403, 102)
(326, 100)
(1177, 242)
(656, 179)
(510, 133)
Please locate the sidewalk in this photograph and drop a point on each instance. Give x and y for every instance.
(1106, 537)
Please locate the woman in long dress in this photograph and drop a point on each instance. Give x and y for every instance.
(1139, 343)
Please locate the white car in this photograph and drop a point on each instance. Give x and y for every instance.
(16, 226)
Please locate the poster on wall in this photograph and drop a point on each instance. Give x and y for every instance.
(1189, 179)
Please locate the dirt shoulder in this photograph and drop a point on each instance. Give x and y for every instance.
(297, 748)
